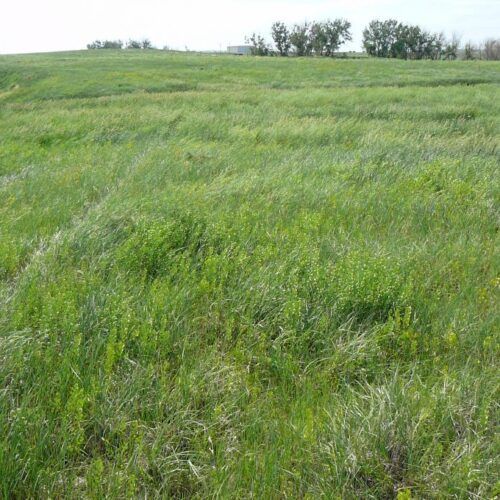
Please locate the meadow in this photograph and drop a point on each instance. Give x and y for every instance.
(228, 277)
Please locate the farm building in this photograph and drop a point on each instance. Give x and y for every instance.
(240, 50)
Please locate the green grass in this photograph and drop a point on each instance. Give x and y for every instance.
(240, 277)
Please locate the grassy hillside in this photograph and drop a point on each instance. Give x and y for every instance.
(238, 277)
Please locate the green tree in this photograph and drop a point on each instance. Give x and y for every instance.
(450, 52)
(469, 52)
(258, 45)
(336, 33)
(97, 44)
(134, 44)
(317, 38)
(281, 36)
(299, 39)
(105, 44)
(379, 38)
(492, 50)
(397, 40)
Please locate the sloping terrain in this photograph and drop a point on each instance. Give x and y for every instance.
(243, 277)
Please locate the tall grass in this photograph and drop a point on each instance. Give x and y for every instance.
(248, 277)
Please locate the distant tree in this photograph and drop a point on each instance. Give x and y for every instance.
(146, 44)
(317, 38)
(281, 37)
(450, 51)
(379, 38)
(105, 44)
(397, 40)
(491, 49)
(258, 45)
(113, 44)
(434, 44)
(469, 51)
(411, 42)
(336, 33)
(134, 44)
(300, 41)
(97, 44)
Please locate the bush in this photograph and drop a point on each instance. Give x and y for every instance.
(134, 44)
(105, 44)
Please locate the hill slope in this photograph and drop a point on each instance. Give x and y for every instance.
(247, 277)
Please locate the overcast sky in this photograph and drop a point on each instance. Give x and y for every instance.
(51, 25)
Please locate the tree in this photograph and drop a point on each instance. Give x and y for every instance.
(317, 38)
(281, 37)
(105, 44)
(379, 38)
(409, 42)
(299, 39)
(146, 44)
(113, 44)
(433, 47)
(336, 33)
(259, 46)
(492, 49)
(393, 39)
(469, 51)
(451, 49)
(97, 44)
(134, 44)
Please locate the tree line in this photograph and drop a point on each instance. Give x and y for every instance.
(489, 50)
(388, 39)
(118, 44)
(393, 39)
(306, 39)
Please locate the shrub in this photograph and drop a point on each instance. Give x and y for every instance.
(105, 44)
(134, 44)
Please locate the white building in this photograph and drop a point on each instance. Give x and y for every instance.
(240, 50)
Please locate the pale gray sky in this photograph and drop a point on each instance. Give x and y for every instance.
(51, 25)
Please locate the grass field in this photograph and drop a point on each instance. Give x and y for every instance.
(241, 277)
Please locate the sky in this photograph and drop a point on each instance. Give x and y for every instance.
(54, 25)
